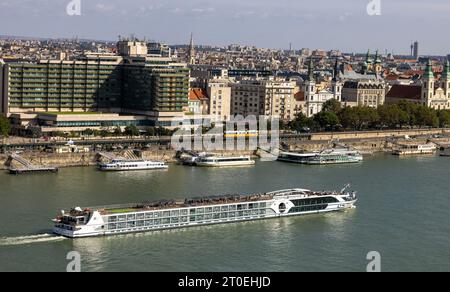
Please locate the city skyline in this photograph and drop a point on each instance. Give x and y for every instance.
(305, 23)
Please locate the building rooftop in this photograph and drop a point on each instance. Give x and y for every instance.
(412, 92)
(197, 94)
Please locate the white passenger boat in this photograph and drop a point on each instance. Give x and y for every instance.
(415, 149)
(127, 165)
(220, 161)
(133, 218)
(295, 157)
(328, 156)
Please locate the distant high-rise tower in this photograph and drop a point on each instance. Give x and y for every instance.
(416, 50)
(412, 50)
(192, 51)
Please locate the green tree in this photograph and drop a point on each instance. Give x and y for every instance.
(104, 133)
(349, 118)
(88, 132)
(444, 118)
(392, 116)
(426, 116)
(411, 111)
(332, 105)
(5, 126)
(326, 120)
(132, 131)
(117, 131)
(151, 131)
(369, 117)
(358, 118)
(301, 122)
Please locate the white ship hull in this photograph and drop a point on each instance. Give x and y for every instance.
(225, 164)
(214, 161)
(326, 162)
(330, 156)
(414, 152)
(132, 166)
(160, 219)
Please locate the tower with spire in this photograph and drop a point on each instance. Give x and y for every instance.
(310, 86)
(191, 51)
(436, 97)
(336, 83)
(428, 84)
(369, 62)
(446, 79)
(377, 64)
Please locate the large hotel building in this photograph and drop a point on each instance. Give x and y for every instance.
(131, 83)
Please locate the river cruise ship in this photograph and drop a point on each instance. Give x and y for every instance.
(328, 156)
(134, 218)
(415, 149)
(219, 161)
(128, 165)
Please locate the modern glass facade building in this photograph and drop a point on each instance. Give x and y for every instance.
(155, 84)
(96, 83)
(63, 86)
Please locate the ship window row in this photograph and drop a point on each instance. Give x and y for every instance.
(185, 219)
(315, 201)
(308, 208)
(192, 218)
(238, 207)
(226, 215)
(185, 212)
(148, 215)
(156, 222)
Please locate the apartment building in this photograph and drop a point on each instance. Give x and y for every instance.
(219, 93)
(268, 97)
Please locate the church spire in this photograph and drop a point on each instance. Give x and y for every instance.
(192, 51)
(336, 70)
(368, 58)
(377, 58)
(446, 72)
(429, 70)
(311, 70)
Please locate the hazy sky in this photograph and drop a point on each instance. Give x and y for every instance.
(326, 24)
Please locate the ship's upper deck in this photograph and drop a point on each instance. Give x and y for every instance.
(202, 201)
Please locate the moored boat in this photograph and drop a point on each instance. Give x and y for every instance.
(328, 156)
(128, 165)
(415, 149)
(222, 161)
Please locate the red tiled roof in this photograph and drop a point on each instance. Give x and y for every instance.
(392, 77)
(405, 92)
(405, 60)
(300, 96)
(197, 94)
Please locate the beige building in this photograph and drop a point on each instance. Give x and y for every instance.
(219, 92)
(366, 88)
(269, 97)
(370, 93)
(132, 48)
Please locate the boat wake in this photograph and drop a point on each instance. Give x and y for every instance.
(30, 239)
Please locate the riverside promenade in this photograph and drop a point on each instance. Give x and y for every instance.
(159, 148)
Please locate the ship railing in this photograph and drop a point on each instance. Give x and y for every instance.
(228, 199)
